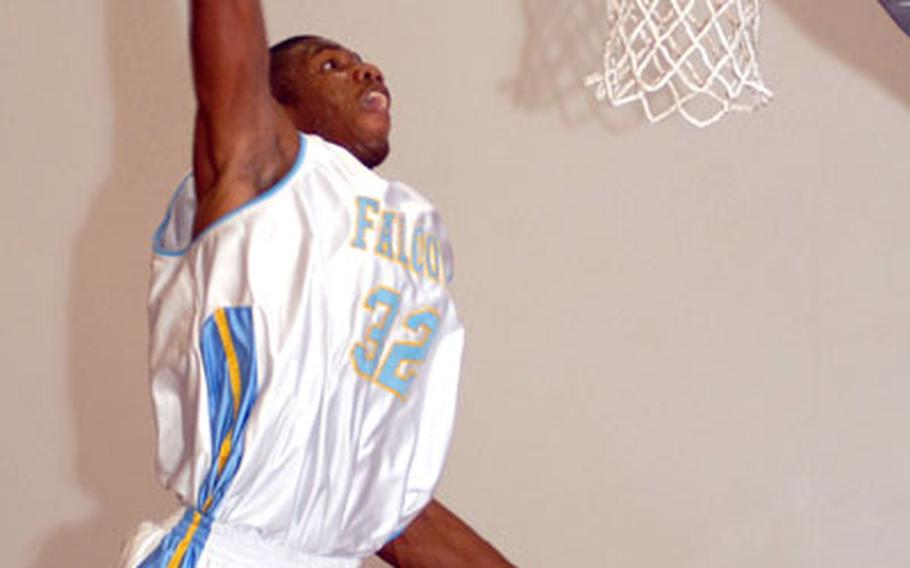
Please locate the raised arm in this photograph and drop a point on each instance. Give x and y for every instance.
(243, 141)
(439, 539)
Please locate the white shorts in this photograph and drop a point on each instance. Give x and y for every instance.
(226, 547)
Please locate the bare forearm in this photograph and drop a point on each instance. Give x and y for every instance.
(230, 52)
(439, 539)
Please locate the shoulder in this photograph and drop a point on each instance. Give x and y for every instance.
(177, 233)
(401, 191)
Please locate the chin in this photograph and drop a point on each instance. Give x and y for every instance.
(373, 139)
(372, 154)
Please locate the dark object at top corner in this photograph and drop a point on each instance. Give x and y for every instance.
(900, 12)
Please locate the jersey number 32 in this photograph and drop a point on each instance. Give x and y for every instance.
(393, 368)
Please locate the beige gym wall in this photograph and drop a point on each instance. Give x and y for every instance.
(687, 348)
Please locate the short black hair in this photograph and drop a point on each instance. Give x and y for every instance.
(284, 58)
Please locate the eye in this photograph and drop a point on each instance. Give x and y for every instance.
(330, 65)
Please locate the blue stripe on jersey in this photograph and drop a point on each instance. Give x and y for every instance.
(395, 535)
(228, 352)
(229, 358)
(157, 241)
(174, 549)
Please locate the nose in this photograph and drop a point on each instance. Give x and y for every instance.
(367, 72)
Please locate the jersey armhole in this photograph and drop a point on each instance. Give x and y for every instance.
(173, 238)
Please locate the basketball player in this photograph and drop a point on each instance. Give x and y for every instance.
(304, 348)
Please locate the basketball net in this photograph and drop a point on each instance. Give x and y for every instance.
(695, 57)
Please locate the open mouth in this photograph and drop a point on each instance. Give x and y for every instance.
(375, 100)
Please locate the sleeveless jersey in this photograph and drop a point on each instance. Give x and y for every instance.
(304, 356)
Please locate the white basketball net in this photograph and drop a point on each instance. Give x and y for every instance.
(697, 57)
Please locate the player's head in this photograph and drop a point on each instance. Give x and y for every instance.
(329, 90)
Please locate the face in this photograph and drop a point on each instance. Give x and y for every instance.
(343, 99)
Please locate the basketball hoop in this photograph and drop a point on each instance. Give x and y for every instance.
(695, 57)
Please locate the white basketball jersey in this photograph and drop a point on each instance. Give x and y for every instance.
(305, 355)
